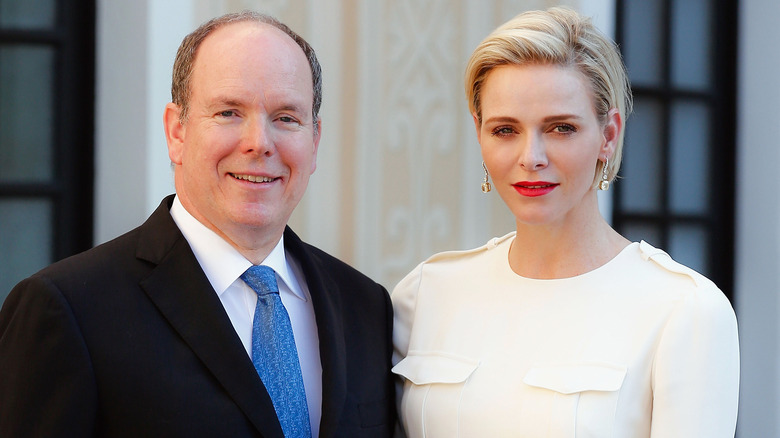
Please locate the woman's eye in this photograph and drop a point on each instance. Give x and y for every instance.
(564, 129)
(503, 130)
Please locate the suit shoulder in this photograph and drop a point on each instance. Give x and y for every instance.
(82, 274)
(135, 250)
(322, 262)
(335, 266)
(102, 256)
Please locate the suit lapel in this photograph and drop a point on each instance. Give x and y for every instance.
(182, 293)
(327, 311)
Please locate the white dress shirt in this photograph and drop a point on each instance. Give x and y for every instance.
(223, 266)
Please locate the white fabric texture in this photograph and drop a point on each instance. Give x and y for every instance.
(639, 347)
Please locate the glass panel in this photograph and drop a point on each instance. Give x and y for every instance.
(26, 113)
(688, 245)
(27, 14)
(689, 164)
(640, 190)
(25, 238)
(643, 39)
(691, 43)
(637, 232)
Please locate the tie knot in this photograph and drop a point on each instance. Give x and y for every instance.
(261, 279)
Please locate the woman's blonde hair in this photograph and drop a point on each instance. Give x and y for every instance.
(557, 36)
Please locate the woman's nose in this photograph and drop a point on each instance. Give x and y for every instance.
(533, 155)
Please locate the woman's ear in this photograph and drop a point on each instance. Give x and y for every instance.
(612, 129)
(478, 127)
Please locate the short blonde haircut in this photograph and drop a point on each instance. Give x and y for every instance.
(557, 36)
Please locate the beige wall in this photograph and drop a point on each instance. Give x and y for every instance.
(399, 169)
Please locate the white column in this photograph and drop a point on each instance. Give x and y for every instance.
(136, 44)
(169, 22)
(758, 219)
(120, 121)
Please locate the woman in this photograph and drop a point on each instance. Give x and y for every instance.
(562, 328)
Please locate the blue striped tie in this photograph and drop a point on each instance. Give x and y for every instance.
(274, 354)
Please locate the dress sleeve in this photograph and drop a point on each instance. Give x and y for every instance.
(696, 369)
(404, 297)
(47, 387)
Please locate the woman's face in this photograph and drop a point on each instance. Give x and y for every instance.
(541, 141)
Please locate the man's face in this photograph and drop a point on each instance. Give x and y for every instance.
(244, 155)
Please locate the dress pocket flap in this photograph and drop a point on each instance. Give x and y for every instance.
(422, 368)
(570, 378)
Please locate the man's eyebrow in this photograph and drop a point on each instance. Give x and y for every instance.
(291, 107)
(233, 102)
(226, 101)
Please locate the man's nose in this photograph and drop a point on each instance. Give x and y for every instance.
(258, 136)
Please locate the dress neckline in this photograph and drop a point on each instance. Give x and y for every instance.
(507, 243)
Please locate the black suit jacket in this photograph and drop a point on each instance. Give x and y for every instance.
(130, 339)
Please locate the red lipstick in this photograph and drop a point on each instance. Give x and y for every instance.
(534, 188)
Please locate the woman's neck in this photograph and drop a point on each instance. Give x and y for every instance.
(553, 251)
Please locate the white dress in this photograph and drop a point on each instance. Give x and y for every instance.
(639, 347)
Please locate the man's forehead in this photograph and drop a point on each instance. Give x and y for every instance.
(241, 40)
(250, 31)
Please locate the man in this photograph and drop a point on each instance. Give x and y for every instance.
(160, 331)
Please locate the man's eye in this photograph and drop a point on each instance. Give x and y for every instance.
(287, 119)
(227, 113)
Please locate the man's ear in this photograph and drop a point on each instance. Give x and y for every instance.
(174, 132)
(317, 137)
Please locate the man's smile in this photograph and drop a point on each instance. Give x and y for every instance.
(253, 178)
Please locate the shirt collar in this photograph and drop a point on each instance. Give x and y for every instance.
(222, 263)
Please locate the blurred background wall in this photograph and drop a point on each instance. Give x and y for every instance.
(399, 169)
